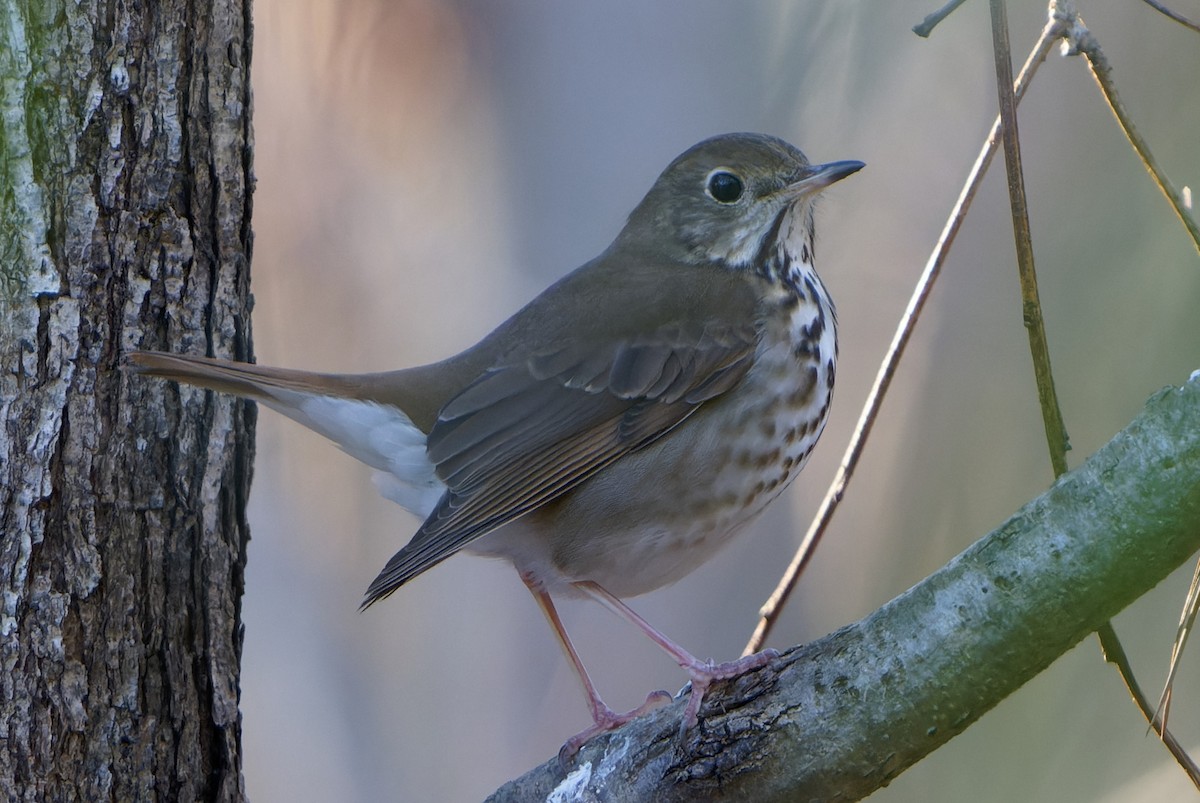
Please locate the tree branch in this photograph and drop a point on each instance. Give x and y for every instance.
(844, 715)
(773, 607)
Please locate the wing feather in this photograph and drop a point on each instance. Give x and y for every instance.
(529, 431)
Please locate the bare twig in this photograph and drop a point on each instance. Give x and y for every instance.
(1182, 20)
(1187, 621)
(1039, 347)
(1081, 40)
(926, 26)
(1114, 653)
(883, 379)
(845, 714)
(1065, 23)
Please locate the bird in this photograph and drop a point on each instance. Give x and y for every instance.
(622, 426)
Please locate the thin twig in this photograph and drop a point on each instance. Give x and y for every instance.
(926, 26)
(1187, 621)
(1182, 20)
(1051, 414)
(774, 605)
(1114, 653)
(1031, 305)
(850, 711)
(1081, 40)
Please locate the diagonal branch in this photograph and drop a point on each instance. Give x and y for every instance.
(1114, 653)
(926, 26)
(1082, 41)
(1175, 15)
(883, 379)
(842, 716)
(1031, 305)
(1187, 623)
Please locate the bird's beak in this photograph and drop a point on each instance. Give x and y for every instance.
(818, 177)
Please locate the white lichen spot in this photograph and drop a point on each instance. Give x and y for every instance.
(82, 220)
(613, 759)
(114, 132)
(95, 95)
(8, 622)
(118, 78)
(63, 326)
(572, 786)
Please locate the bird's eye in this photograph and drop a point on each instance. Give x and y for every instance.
(724, 187)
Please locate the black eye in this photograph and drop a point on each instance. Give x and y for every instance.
(725, 187)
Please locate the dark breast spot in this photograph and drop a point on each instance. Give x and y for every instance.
(769, 459)
(813, 330)
(804, 391)
(811, 286)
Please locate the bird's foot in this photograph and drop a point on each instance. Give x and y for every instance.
(604, 719)
(704, 673)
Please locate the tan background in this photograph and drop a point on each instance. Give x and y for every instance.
(425, 167)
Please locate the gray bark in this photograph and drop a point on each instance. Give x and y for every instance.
(844, 715)
(125, 177)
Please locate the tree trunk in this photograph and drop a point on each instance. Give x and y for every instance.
(125, 178)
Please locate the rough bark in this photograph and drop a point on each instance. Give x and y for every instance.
(125, 178)
(842, 716)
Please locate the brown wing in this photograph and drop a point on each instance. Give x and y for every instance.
(526, 432)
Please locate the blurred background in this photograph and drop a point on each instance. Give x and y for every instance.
(425, 167)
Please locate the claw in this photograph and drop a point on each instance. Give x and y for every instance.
(605, 719)
(704, 673)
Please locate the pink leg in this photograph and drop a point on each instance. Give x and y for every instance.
(702, 673)
(603, 717)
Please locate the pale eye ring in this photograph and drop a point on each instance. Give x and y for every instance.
(724, 186)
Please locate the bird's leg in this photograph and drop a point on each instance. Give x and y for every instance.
(702, 673)
(603, 717)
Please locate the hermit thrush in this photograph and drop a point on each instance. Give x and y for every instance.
(610, 436)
